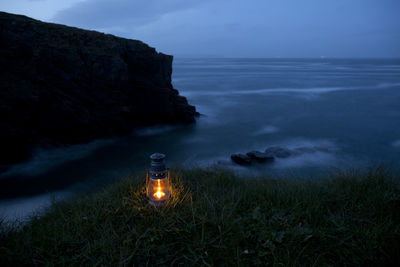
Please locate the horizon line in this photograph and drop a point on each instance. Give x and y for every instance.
(252, 57)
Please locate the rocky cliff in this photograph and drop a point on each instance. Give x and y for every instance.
(65, 85)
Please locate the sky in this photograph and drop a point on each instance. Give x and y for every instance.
(235, 28)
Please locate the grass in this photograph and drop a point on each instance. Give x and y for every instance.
(215, 218)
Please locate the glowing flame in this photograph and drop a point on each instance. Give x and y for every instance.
(159, 194)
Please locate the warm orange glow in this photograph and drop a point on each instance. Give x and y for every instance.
(159, 193)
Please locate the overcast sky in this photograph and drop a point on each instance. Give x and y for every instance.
(235, 28)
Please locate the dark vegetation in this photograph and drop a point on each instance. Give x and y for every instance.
(215, 218)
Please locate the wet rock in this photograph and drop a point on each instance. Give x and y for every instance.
(278, 152)
(260, 156)
(241, 159)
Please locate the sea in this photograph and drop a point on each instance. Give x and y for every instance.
(342, 114)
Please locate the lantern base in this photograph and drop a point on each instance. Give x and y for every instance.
(159, 203)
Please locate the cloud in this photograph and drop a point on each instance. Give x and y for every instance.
(396, 144)
(267, 129)
(98, 14)
(240, 28)
(37, 9)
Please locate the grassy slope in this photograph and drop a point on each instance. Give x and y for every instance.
(215, 218)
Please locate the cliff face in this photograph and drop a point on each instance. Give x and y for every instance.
(60, 84)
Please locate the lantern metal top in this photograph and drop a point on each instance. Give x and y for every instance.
(157, 163)
(157, 157)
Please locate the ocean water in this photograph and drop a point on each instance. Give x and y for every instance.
(342, 113)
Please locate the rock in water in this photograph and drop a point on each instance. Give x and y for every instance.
(241, 159)
(60, 84)
(260, 156)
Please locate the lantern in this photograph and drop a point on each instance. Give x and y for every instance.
(157, 181)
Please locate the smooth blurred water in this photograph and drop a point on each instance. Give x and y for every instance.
(348, 109)
(352, 106)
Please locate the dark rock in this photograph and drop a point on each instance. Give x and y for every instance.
(260, 156)
(65, 85)
(241, 159)
(278, 152)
